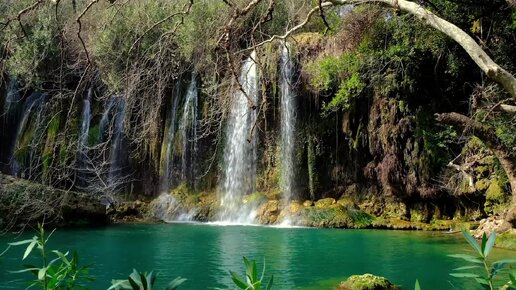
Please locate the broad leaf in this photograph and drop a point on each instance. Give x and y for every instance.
(23, 242)
(506, 261)
(467, 258)
(471, 240)
(484, 241)
(490, 243)
(269, 285)
(5, 251)
(466, 268)
(41, 273)
(417, 287)
(29, 249)
(254, 272)
(62, 257)
(465, 275)
(119, 284)
(24, 270)
(482, 281)
(133, 283)
(174, 284)
(237, 280)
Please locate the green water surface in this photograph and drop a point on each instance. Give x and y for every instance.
(299, 258)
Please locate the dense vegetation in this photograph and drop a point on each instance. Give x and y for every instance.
(370, 79)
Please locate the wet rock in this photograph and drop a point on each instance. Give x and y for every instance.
(268, 212)
(307, 203)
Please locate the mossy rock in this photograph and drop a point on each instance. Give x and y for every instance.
(325, 202)
(394, 209)
(367, 282)
(254, 198)
(347, 202)
(495, 191)
(482, 184)
(419, 213)
(295, 207)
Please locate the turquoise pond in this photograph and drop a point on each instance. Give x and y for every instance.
(299, 258)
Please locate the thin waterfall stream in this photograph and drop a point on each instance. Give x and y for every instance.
(188, 130)
(168, 141)
(288, 127)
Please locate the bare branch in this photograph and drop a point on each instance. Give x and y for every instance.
(78, 20)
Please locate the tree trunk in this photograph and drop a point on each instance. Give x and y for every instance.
(488, 136)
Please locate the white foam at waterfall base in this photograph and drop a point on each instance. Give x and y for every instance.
(168, 209)
(240, 150)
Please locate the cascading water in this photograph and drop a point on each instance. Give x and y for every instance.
(33, 103)
(166, 177)
(13, 106)
(288, 125)
(117, 151)
(188, 130)
(105, 120)
(85, 122)
(40, 127)
(82, 154)
(85, 126)
(240, 149)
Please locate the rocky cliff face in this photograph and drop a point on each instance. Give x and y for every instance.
(25, 203)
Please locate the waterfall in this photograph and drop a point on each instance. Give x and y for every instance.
(105, 120)
(32, 103)
(240, 149)
(188, 130)
(166, 175)
(288, 125)
(38, 137)
(85, 125)
(11, 117)
(117, 151)
(82, 154)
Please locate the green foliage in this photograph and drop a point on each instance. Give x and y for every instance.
(479, 261)
(513, 25)
(416, 286)
(60, 273)
(93, 135)
(251, 281)
(437, 139)
(348, 89)
(32, 56)
(143, 281)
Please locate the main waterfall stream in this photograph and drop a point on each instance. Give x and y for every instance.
(240, 150)
(299, 258)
